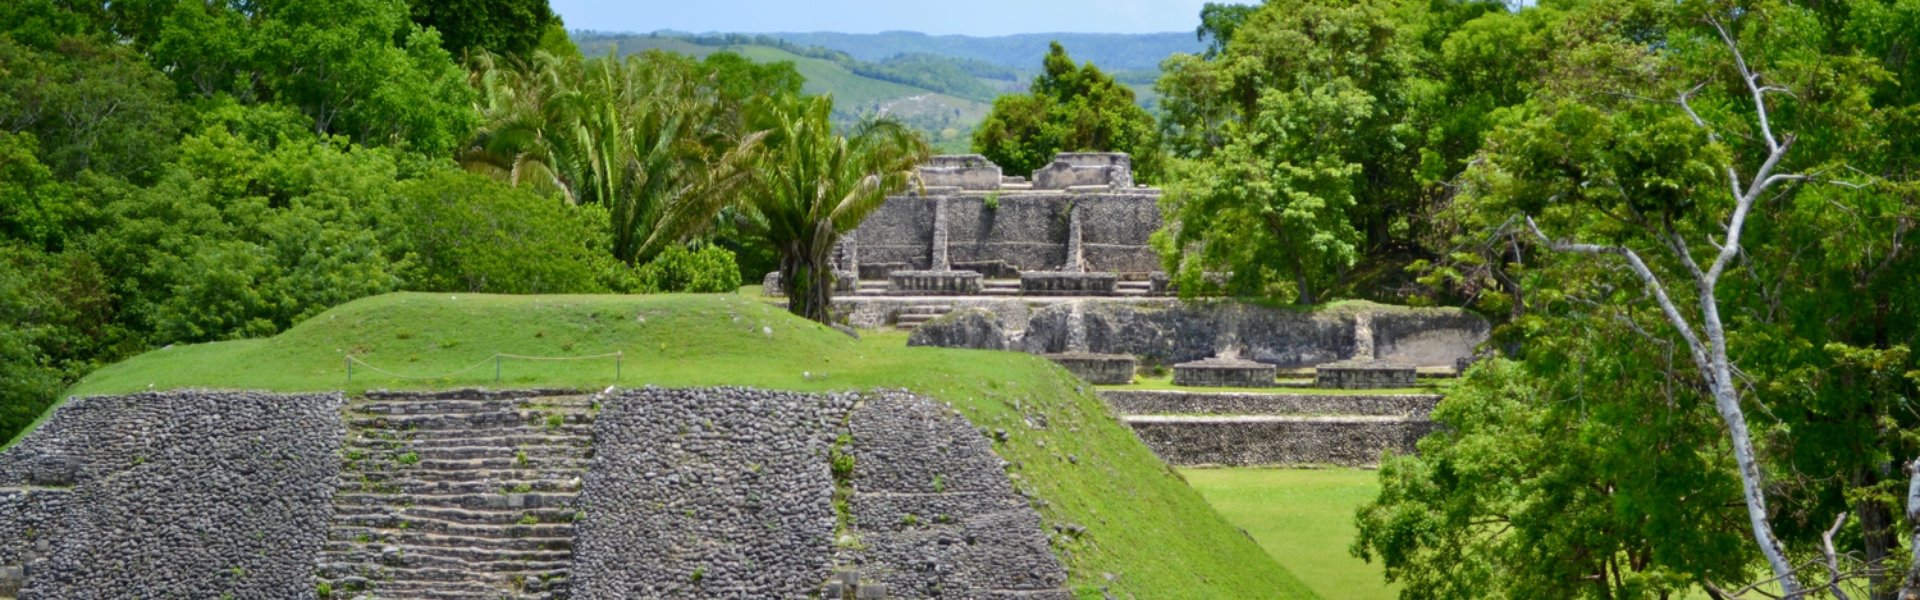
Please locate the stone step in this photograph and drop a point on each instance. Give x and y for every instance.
(399, 484)
(532, 453)
(475, 560)
(465, 516)
(493, 501)
(450, 439)
(439, 591)
(364, 536)
(916, 319)
(1170, 402)
(924, 309)
(453, 528)
(389, 464)
(1265, 440)
(383, 577)
(454, 406)
(569, 422)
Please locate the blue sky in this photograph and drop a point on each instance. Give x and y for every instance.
(968, 17)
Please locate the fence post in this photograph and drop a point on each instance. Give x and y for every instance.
(616, 363)
(349, 368)
(496, 368)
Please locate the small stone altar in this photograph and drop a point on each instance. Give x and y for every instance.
(1363, 375)
(1224, 370)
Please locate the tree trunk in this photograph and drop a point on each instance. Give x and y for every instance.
(1878, 529)
(806, 271)
(1911, 589)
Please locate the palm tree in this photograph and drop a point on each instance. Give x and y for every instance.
(636, 136)
(814, 185)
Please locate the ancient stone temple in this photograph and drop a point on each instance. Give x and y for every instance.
(1078, 227)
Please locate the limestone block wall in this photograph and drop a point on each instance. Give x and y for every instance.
(1025, 231)
(1175, 331)
(1277, 440)
(728, 493)
(708, 493)
(178, 494)
(933, 511)
(1426, 336)
(1168, 402)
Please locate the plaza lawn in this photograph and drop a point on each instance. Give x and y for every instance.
(1304, 518)
(1146, 533)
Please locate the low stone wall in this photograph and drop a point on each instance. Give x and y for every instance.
(181, 494)
(933, 283)
(1277, 440)
(1054, 283)
(933, 512)
(1154, 402)
(1102, 369)
(1363, 375)
(718, 492)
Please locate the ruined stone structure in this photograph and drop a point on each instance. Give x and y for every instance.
(696, 493)
(1080, 215)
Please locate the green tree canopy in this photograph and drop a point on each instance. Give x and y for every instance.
(813, 185)
(506, 27)
(1068, 109)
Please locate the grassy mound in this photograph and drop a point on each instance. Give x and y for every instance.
(1127, 523)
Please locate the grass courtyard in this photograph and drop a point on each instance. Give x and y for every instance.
(1303, 518)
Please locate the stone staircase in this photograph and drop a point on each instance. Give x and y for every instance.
(912, 316)
(1280, 428)
(458, 495)
(1000, 287)
(1137, 289)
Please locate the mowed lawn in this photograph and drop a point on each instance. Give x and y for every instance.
(1304, 519)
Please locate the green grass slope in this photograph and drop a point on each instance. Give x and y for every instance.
(1304, 518)
(1146, 533)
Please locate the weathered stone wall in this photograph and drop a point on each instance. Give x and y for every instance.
(972, 328)
(728, 493)
(934, 514)
(1152, 402)
(1277, 440)
(1025, 231)
(180, 494)
(1175, 331)
(1427, 336)
(710, 493)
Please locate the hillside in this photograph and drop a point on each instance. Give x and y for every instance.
(1112, 51)
(1132, 527)
(941, 85)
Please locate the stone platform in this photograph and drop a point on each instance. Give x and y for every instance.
(1363, 375)
(1101, 369)
(1262, 440)
(1053, 283)
(1224, 372)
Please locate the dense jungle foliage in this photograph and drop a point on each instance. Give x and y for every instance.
(1689, 222)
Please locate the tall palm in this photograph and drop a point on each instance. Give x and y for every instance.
(633, 135)
(814, 185)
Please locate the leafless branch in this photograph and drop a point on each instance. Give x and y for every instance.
(1833, 559)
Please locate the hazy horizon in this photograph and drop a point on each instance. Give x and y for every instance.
(981, 18)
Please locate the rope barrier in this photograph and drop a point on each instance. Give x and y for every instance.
(495, 359)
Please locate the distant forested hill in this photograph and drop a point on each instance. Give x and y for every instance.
(1111, 51)
(941, 85)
